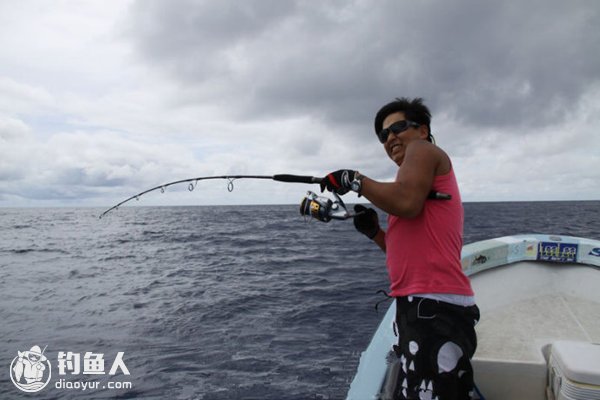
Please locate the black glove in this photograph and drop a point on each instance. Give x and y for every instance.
(366, 222)
(338, 181)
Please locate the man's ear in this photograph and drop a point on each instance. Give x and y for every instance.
(423, 131)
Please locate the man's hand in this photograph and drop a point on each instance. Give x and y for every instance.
(366, 221)
(339, 181)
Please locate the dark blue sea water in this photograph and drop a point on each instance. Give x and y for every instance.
(244, 302)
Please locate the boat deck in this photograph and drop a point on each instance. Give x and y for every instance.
(566, 306)
(525, 307)
(520, 331)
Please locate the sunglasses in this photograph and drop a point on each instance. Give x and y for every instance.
(395, 128)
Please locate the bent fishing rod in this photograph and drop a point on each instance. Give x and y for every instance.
(318, 207)
(194, 181)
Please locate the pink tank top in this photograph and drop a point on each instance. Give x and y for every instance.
(423, 253)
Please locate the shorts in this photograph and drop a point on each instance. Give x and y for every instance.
(436, 341)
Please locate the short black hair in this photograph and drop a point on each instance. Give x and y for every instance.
(413, 110)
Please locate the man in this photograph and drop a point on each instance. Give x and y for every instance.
(436, 310)
(30, 365)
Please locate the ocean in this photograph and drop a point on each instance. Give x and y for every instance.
(227, 302)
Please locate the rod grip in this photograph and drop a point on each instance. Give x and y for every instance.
(439, 195)
(296, 178)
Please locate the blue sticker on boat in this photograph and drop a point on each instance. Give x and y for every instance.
(557, 252)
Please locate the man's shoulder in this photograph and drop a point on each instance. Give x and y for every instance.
(437, 157)
(424, 147)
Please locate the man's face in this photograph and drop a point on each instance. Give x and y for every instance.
(395, 145)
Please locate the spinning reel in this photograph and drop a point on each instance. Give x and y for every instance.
(323, 208)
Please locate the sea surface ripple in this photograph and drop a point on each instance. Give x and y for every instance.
(228, 302)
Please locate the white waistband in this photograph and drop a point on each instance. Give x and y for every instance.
(456, 299)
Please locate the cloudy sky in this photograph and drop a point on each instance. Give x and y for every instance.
(103, 99)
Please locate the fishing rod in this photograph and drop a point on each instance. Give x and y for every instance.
(318, 207)
(194, 181)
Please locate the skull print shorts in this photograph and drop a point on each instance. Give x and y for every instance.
(436, 341)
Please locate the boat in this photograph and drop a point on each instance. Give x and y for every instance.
(539, 332)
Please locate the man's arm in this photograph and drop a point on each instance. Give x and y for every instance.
(379, 239)
(406, 197)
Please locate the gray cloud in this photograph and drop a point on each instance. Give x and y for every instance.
(192, 39)
(151, 91)
(486, 63)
